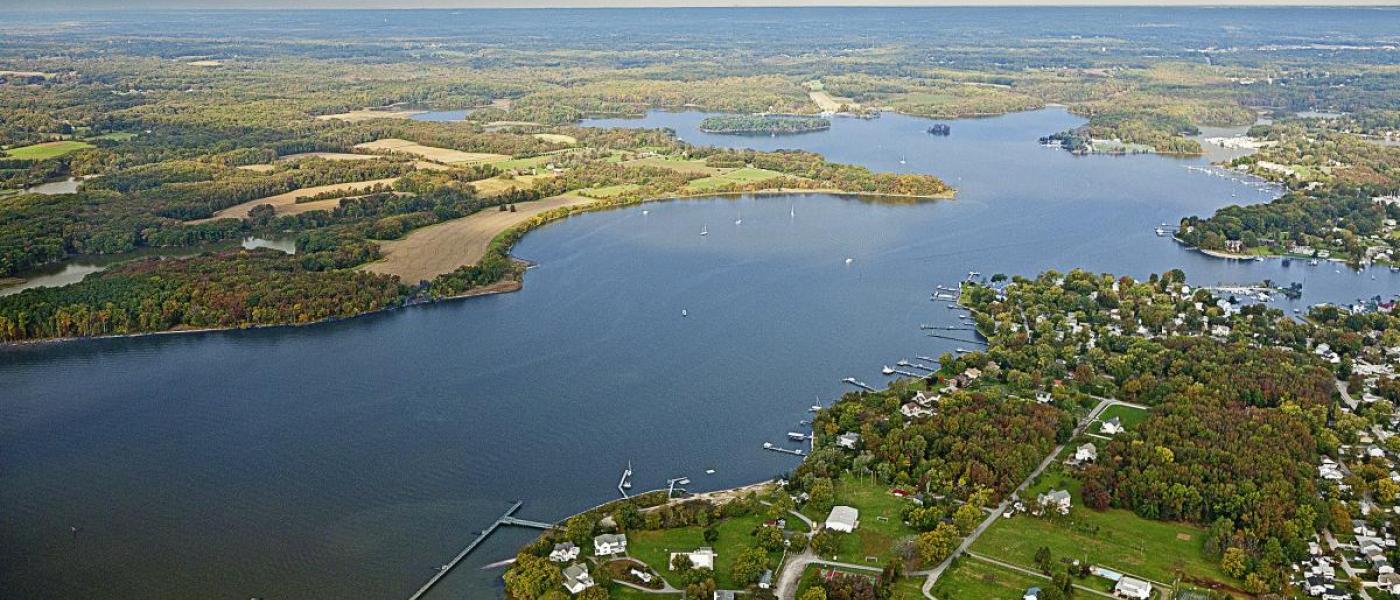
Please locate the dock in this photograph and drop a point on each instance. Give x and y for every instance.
(859, 384)
(771, 447)
(508, 518)
(956, 339)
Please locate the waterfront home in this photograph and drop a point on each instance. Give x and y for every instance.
(564, 552)
(926, 399)
(576, 578)
(609, 544)
(1086, 454)
(766, 581)
(848, 440)
(1136, 589)
(1234, 246)
(843, 518)
(1032, 593)
(1112, 426)
(1056, 500)
(913, 410)
(700, 558)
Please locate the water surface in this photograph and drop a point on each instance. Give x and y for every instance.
(350, 459)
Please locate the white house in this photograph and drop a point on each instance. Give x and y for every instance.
(1057, 500)
(843, 518)
(609, 544)
(914, 410)
(1127, 587)
(1043, 397)
(848, 440)
(700, 558)
(564, 552)
(927, 398)
(576, 578)
(1112, 426)
(1086, 453)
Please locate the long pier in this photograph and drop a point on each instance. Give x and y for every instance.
(956, 339)
(506, 519)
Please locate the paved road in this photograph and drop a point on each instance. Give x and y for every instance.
(937, 572)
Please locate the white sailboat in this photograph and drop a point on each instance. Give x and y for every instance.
(704, 230)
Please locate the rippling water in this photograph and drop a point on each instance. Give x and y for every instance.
(350, 459)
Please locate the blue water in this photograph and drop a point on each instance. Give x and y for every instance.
(350, 459)
(441, 115)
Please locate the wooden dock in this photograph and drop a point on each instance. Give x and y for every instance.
(506, 519)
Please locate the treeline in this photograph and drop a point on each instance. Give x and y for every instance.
(763, 124)
(809, 165)
(230, 289)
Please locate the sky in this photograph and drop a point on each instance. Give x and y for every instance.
(145, 4)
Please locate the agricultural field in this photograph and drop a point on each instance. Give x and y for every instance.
(286, 204)
(680, 165)
(442, 155)
(557, 138)
(736, 176)
(610, 191)
(46, 150)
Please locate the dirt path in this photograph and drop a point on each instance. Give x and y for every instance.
(442, 248)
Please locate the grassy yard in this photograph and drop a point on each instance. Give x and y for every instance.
(1115, 539)
(973, 579)
(609, 191)
(47, 150)
(696, 167)
(654, 547)
(1130, 416)
(622, 592)
(881, 526)
(742, 175)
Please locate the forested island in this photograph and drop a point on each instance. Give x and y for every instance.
(763, 124)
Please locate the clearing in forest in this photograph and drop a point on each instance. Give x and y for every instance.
(443, 155)
(286, 204)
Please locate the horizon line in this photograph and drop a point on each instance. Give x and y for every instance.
(432, 5)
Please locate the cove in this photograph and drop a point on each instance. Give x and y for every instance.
(350, 459)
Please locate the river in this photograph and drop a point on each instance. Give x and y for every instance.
(350, 459)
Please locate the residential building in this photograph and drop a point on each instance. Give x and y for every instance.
(576, 578)
(843, 518)
(1137, 589)
(1056, 500)
(609, 544)
(1112, 426)
(848, 440)
(564, 552)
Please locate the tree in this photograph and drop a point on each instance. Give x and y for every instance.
(815, 592)
(823, 495)
(936, 545)
(966, 517)
(1043, 560)
(579, 529)
(531, 577)
(1233, 562)
(711, 535)
(749, 565)
(824, 542)
(769, 538)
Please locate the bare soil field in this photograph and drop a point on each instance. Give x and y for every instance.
(356, 116)
(497, 185)
(442, 155)
(439, 249)
(286, 204)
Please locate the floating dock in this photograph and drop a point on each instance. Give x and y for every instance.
(859, 384)
(770, 446)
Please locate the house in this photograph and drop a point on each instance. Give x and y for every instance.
(1057, 500)
(926, 399)
(1086, 453)
(1234, 246)
(609, 544)
(914, 410)
(641, 576)
(724, 595)
(848, 440)
(1128, 587)
(1043, 397)
(1032, 593)
(576, 578)
(1112, 426)
(564, 552)
(766, 581)
(843, 518)
(700, 558)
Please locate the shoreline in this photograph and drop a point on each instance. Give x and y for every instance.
(504, 286)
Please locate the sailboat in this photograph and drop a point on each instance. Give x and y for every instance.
(740, 220)
(792, 210)
(901, 159)
(704, 230)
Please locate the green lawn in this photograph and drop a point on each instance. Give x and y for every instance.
(654, 547)
(47, 150)
(681, 165)
(529, 162)
(1115, 539)
(973, 579)
(1130, 416)
(622, 592)
(609, 191)
(741, 175)
(881, 526)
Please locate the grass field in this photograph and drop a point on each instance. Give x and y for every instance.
(286, 204)
(47, 150)
(973, 579)
(693, 167)
(655, 547)
(609, 191)
(621, 592)
(1130, 416)
(881, 526)
(444, 155)
(356, 116)
(557, 138)
(530, 162)
(740, 176)
(1115, 539)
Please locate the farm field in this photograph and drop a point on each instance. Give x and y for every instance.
(442, 248)
(740, 176)
(496, 185)
(286, 204)
(327, 156)
(680, 165)
(972, 579)
(47, 150)
(443, 155)
(557, 138)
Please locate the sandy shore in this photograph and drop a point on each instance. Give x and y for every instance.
(442, 248)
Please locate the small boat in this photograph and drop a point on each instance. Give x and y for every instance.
(646, 212)
(887, 370)
(738, 221)
(685, 313)
(901, 159)
(962, 350)
(1313, 262)
(815, 408)
(704, 230)
(1160, 232)
(1258, 259)
(767, 445)
(850, 260)
(709, 471)
(797, 437)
